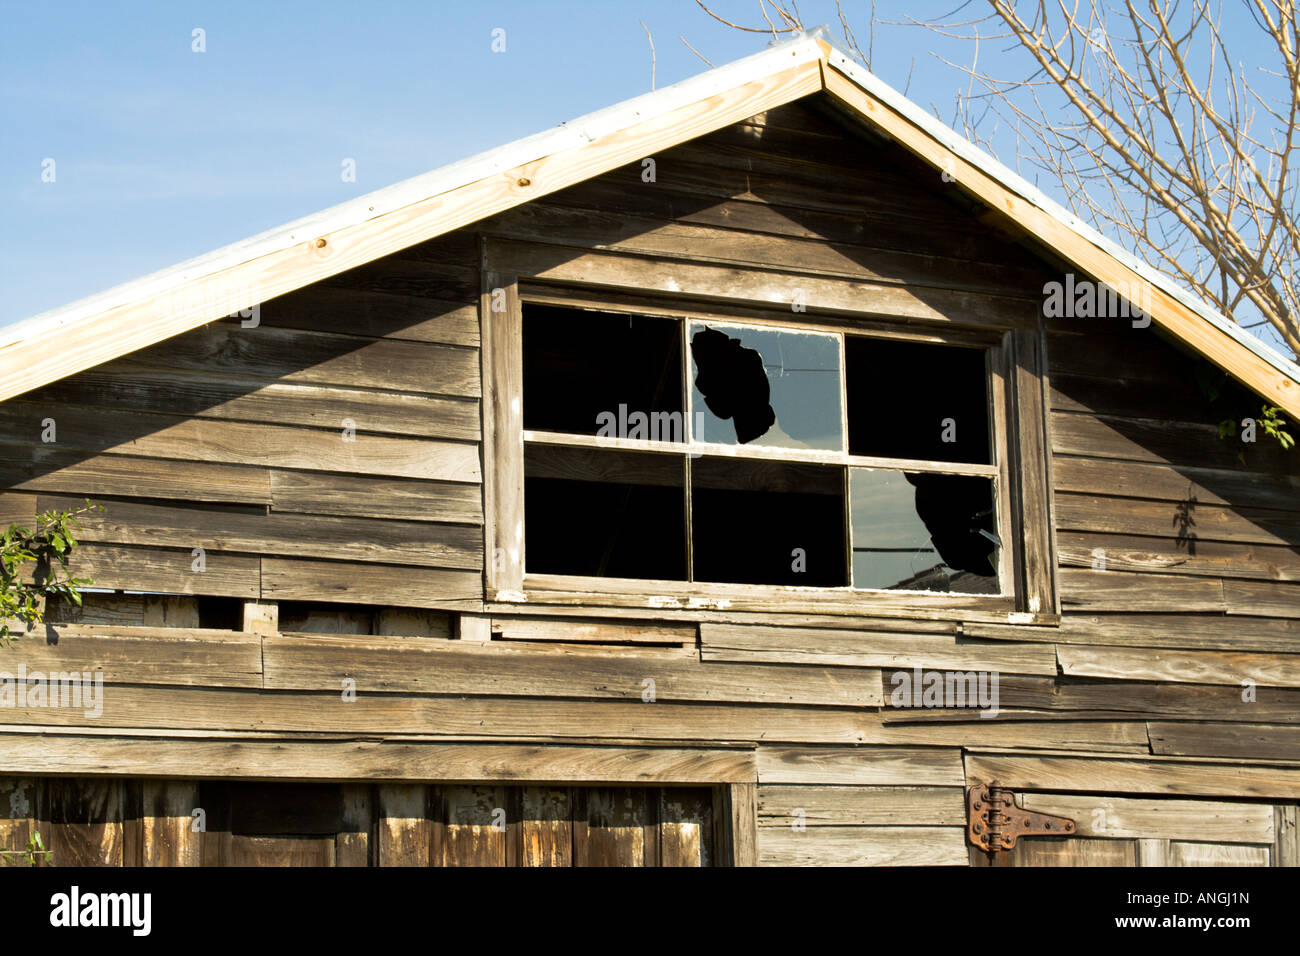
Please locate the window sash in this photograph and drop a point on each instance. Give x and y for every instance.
(1019, 435)
(692, 449)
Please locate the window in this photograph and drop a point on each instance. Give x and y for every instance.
(677, 449)
(645, 451)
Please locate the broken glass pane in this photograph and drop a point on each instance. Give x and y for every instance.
(603, 513)
(923, 532)
(768, 522)
(765, 387)
(602, 373)
(917, 400)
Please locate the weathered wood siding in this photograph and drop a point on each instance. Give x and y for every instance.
(232, 440)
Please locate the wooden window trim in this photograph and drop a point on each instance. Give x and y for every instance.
(1016, 379)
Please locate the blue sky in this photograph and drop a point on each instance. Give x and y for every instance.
(162, 153)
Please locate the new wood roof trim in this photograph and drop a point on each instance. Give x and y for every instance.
(139, 313)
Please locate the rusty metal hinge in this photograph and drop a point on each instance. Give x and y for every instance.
(995, 822)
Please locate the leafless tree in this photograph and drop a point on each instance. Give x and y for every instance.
(1156, 133)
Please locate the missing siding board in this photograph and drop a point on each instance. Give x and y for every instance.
(305, 617)
(140, 609)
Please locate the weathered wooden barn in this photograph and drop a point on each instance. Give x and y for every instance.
(707, 481)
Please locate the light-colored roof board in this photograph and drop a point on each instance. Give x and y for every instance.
(968, 151)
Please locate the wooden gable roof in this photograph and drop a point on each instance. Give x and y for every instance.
(141, 313)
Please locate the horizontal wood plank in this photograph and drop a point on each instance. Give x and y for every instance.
(867, 766)
(38, 467)
(360, 496)
(1190, 667)
(1237, 740)
(1152, 775)
(1088, 590)
(1125, 818)
(817, 806)
(142, 655)
(293, 759)
(223, 528)
(286, 579)
(862, 846)
(728, 642)
(172, 438)
(316, 663)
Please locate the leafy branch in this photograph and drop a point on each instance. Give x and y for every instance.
(47, 548)
(31, 855)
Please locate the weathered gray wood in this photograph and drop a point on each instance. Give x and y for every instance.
(1240, 741)
(868, 766)
(675, 201)
(1031, 479)
(551, 223)
(286, 579)
(140, 655)
(739, 803)
(502, 372)
(122, 385)
(1207, 631)
(319, 358)
(223, 528)
(1185, 520)
(350, 760)
(1150, 440)
(817, 806)
(1209, 487)
(1125, 775)
(728, 642)
(593, 631)
(168, 570)
(361, 496)
(1192, 667)
(36, 467)
(374, 314)
(1216, 854)
(862, 846)
(1088, 590)
(1262, 598)
(694, 280)
(315, 663)
(210, 711)
(1286, 846)
(172, 437)
(1171, 556)
(1122, 818)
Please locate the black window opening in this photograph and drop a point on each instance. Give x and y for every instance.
(803, 457)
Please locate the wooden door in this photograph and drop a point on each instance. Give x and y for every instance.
(1155, 831)
(266, 824)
